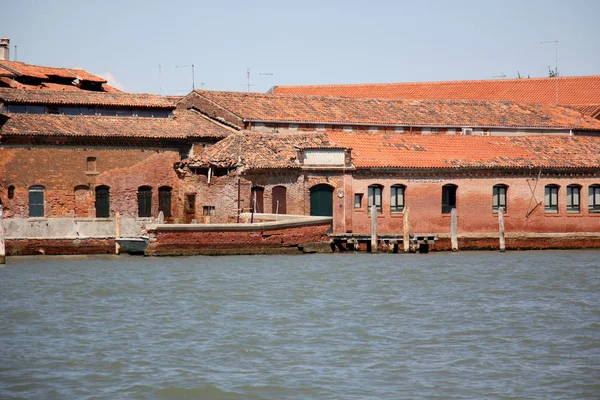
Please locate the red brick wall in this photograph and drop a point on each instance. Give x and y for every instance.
(188, 242)
(60, 169)
(474, 205)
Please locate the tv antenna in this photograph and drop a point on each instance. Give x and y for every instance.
(500, 76)
(555, 68)
(193, 74)
(248, 84)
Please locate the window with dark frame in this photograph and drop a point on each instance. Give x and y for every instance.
(594, 199)
(164, 200)
(190, 203)
(499, 197)
(375, 198)
(397, 199)
(36, 201)
(448, 198)
(144, 201)
(551, 199)
(573, 199)
(102, 202)
(358, 199)
(11, 192)
(208, 211)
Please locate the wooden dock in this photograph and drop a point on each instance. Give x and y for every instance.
(389, 243)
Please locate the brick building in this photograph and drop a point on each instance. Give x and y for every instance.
(74, 152)
(339, 156)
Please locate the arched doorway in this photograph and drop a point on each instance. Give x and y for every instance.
(321, 200)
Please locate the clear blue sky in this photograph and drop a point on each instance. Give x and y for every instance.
(303, 42)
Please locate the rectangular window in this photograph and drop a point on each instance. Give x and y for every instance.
(551, 199)
(144, 202)
(190, 203)
(397, 199)
(448, 198)
(164, 201)
(358, 197)
(499, 198)
(91, 164)
(36, 201)
(573, 199)
(36, 109)
(594, 199)
(208, 211)
(375, 198)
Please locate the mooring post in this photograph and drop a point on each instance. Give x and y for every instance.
(454, 229)
(406, 237)
(373, 229)
(117, 233)
(501, 228)
(2, 248)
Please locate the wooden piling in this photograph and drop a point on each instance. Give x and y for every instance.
(501, 228)
(454, 229)
(117, 233)
(2, 247)
(406, 237)
(373, 229)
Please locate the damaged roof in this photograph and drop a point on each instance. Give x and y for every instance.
(259, 150)
(259, 107)
(184, 125)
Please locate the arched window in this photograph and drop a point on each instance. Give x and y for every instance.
(551, 199)
(375, 198)
(11, 192)
(397, 198)
(573, 199)
(448, 198)
(499, 197)
(102, 201)
(144, 201)
(279, 200)
(164, 200)
(36, 201)
(257, 203)
(594, 199)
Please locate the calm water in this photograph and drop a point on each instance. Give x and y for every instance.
(438, 326)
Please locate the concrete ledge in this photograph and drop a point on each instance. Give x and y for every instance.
(282, 223)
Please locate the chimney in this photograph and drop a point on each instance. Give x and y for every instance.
(4, 49)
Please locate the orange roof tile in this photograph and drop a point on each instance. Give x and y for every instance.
(185, 125)
(451, 113)
(83, 97)
(406, 151)
(422, 151)
(571, 90)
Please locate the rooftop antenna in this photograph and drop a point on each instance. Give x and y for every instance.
(193, 74)
(500, 76)
(248, 84)
(16, 52)
(555, 75)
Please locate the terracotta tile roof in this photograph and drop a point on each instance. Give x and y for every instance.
(18, 68)
(423, 151)
(83, 97)
(571, 90)
(185, 125)
(259, 150)
(452, 113)
(379, 150)
(593, 110)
